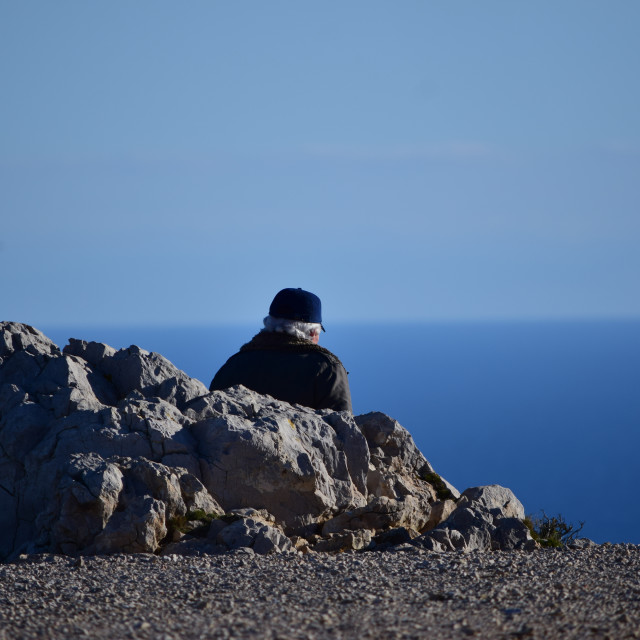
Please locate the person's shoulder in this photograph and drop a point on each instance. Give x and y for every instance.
(328, 357)
(285, 343)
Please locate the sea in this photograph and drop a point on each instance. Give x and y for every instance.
(550, 409)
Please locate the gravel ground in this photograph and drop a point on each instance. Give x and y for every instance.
(587, 593)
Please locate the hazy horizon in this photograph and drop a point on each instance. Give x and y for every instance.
(371, 322)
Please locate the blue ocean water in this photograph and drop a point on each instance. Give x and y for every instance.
(549, 409)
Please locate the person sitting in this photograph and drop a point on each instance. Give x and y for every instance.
(284, 360)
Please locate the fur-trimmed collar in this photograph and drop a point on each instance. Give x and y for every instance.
(271, 340)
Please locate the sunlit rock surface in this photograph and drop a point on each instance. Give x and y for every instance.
(105, 451)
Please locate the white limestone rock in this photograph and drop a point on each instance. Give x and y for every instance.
(16, 337)
(488, 517)
(399, 494)
(287, 460)
(135, 369)
(380, 514)
(138, 529)
(354, 540)
(102, 450)
(494, 498)
(254, 534)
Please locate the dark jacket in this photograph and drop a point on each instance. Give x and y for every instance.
(290, 369)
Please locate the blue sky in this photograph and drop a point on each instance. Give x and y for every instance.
(178, 163)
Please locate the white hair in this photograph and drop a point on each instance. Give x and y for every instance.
(297, 328)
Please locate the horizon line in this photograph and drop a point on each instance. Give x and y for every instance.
(541, 319)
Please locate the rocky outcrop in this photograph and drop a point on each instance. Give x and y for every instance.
(485, 518)
(104, 451)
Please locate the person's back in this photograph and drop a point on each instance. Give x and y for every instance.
(285, 361)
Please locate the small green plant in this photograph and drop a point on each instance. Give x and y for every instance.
(551, 531)
(182, 523)
(442, 491)
(202, 516)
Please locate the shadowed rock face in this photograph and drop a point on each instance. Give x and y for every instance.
(104, 451)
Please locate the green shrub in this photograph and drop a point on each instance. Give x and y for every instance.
(551, 531)
(181, 523)
(441, 489)
(202, 516)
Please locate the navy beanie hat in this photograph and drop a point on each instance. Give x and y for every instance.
(297, 304)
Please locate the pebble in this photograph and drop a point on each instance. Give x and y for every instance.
(583, 593)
